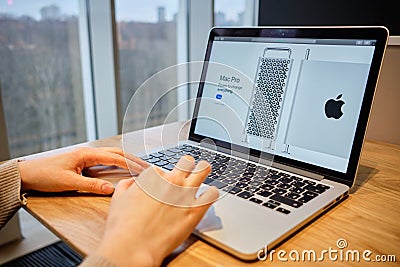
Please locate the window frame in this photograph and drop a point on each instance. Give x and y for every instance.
(195, 19)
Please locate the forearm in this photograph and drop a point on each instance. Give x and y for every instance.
(96, 260)
(10, 187)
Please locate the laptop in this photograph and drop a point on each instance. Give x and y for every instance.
(281, 114)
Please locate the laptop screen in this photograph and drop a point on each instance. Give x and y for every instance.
(297, 97)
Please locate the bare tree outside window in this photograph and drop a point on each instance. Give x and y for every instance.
(40, 75)
(147, 44)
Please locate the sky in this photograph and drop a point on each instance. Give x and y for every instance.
(32, 7)
(137, 10)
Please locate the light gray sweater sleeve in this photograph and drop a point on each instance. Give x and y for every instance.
(10, 187)
(10, 202)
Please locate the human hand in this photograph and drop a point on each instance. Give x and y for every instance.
(63, 172)
(142, 230)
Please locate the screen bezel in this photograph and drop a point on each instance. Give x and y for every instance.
(380, 34)
(330, 13)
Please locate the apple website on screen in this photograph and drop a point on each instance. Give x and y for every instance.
(296, 98)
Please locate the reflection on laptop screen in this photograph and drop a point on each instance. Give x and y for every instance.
(296, 98)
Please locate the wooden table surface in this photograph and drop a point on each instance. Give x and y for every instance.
(368, 220)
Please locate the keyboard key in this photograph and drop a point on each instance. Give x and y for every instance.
(241, 185)
(252, 189)
(310, 182)
(153, 160)
(259, 178)
(218, 184)
(216, 176)
(309, 193)
(307, 196)
(174, 150)
(235, 175)
(270, 205)
(285, 180)
(273, 171)
(274, 176)
(245, 180)
(248, 174)
(208, 180)
(251, 165)
(284, 186)
(322, 187)
(315, 189)
(297, 178)
(229, 180)
(292, 195)
(279, 191)
(245, 195)
(285, 211)
(267, 187)
(173, 161)
(276, 203)
(164, 158)
(178, 156)
(169, 167)
(156, 155)
(146, 157)
(264, 193)
(169, 153)
(305, 199)
(298, 184)
(232, 190)
(256, 200)
(263, 172)
(287, 201)
(160, 163)
(255, 183)
(297, 190)
(271, 182)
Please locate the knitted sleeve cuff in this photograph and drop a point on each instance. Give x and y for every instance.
(10, 187)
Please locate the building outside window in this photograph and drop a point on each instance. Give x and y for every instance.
(230, 13)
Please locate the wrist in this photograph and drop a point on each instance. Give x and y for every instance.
(124, 254)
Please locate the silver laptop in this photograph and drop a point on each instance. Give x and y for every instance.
(281, 115)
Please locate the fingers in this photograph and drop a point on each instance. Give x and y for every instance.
(92, 185)
(122, 186)
(199, 174)
(120, 152)
(183, 167)
(133, 167)
(109, 157)
(137, 160)
(202, 203)
(208, 197)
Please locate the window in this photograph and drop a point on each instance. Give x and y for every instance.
(147, 44)
(233, 12)
(40, 74)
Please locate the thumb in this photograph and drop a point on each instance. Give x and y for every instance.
(92, 185)
(122, 186)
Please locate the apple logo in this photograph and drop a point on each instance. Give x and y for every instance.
(333, 107)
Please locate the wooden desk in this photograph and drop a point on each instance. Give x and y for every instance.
(368, 219)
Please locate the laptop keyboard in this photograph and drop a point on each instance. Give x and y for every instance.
(264, 186)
